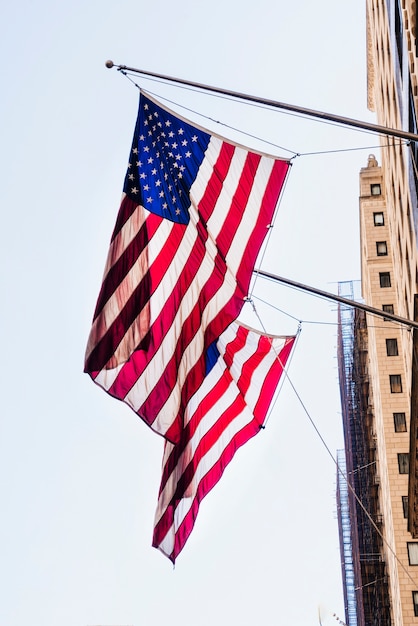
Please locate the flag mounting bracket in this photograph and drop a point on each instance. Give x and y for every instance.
(329, 117)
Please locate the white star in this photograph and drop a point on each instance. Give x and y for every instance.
(142, 137)
(146, 148)
(181, 131)
(150, 200)
(165, 205)
(184, 142)
(188, 154)
(178, 211)
(134, 190)
(150, 160)
(135, 150)
(161, 194)
(146, 107)
(194, 138)
(143, 175)
(158, 183)
(168, 123)
(131, 176)
(154, 171)
(171, 134)
(174, 145)
(146, 187)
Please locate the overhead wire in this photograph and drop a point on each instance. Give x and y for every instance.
(295, 154)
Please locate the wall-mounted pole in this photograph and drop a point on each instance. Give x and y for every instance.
(330, 117)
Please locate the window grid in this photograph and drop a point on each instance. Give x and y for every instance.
(381, 248)
(395, 381)
(413, 552)
(384, 279)
(392, 347)
(399, 420)
(415, 602)
(378, 219)
(403, 464)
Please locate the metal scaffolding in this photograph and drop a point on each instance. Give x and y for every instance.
(367, 569)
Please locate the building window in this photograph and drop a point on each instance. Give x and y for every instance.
(378, 219)
(381, 248)
(384, 278)
(392, 347)
(405, 506)
(399, 420)
(395, 383)
(413, 552)
(375, 189)
(415, 601)
(388, 308)
(403, 463)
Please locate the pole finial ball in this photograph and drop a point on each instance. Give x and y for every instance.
(109, 64)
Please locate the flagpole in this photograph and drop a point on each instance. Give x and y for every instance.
(330, 117)
(331, 296)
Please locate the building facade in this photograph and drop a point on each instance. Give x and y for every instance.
(378, 369)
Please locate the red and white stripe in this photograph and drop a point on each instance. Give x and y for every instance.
(170, 290)
(228, 409)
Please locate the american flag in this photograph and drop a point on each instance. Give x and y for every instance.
(229, 408)
(194, 213)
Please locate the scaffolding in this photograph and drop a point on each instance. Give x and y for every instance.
(364, 574)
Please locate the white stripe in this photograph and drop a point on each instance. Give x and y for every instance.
(204, 466)
(227, 288)
(253, 394)
(124, 237)
(151, 375)
(240, 358)
(252, 210)
(122, 293)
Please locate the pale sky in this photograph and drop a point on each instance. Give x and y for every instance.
(79, 472)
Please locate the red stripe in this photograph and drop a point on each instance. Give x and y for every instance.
(205, 444)
(205, 486)
(205, 405)
(212, 437)
(162, 390)
(216, 181)
(145, 352)
(270, 383)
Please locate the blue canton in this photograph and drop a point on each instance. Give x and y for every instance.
(165, 158)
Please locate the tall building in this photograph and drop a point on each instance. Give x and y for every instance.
(378, 370)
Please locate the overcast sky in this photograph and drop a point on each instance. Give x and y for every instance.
(79, 472)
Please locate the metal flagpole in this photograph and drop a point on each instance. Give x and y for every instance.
(330, 296)
(345, 121)
(330, 117)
